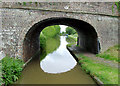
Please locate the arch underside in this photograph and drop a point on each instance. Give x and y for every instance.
(86, 33)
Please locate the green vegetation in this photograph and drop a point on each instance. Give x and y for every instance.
(42, 41)
(111, 54)
(72, 36)
(51, 31)
(70, 44)
(11, 69)
(24, 3)
(1, 74)
(63, 34)
(49, 40)
(53, 44)
(42, 55)
(36, 3)
(118, 6)
(57, 27)
(71, 40)
(70, 31)
(107, 74)
(48, 33)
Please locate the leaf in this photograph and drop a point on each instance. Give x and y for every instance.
(113, 8)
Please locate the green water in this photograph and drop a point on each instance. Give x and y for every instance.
(56, 58)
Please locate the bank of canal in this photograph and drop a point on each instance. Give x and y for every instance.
(58, 67)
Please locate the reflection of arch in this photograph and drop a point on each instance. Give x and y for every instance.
(86, 32)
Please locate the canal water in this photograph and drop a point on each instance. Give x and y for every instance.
(57, 67)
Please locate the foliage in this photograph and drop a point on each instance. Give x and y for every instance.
(71, 39)
(57, 27)
(46, 36)
(111, 54)
(36, 3)
(70, 31)
(107, 74)
(49, 40)
(24, 3)
(42, 55)
(118, 6)
(11, 69)
(52, 45)
(63, 34)
(51, 31)
(1, 80)
(42, 41)
(75, 35)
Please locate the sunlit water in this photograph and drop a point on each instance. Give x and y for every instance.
(60, 60)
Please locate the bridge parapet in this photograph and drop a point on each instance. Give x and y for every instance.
(98, 8)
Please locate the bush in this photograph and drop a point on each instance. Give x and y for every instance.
(11, 69)
(70, 31)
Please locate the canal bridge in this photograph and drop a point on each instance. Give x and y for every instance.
(21, 24)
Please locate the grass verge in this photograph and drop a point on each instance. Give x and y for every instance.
(0, 74)
(111, 54)
(107, 74)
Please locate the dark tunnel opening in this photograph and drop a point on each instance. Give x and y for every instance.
(87, 35)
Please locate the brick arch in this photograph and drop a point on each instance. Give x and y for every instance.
(86, 32)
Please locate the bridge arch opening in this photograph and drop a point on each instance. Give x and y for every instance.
(87, 35)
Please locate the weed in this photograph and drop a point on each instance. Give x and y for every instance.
(11, 69)
(24, 3)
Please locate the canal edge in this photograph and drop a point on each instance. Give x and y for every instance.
(96, 79)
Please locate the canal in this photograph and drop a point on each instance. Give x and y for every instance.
(57, 67)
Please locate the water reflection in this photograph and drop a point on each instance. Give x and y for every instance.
(33, 74)
(60, 60)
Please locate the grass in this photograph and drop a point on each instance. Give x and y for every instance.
(107, 74)
(0, 74)
(111, 54)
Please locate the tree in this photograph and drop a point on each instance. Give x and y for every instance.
(70, 31)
